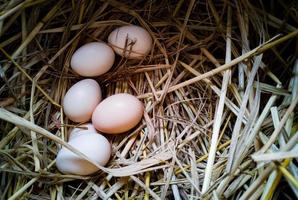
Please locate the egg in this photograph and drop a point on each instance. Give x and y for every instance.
(131, 41)
(93, 59)
(82, 129)
(95, 146)
(117, 113)
(81, 99)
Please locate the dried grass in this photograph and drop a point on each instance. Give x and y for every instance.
(220, 89)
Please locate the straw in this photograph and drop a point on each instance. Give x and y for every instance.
(219, 88)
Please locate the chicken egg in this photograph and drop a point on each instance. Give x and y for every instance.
(93, 59)
(95, 146)
(82, 129)
(81, 99)
(131, 41)
(117, 113)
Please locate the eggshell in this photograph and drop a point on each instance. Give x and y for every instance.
(95, 146)
(117, 113)
(131, 41)
(82, 129)
(81, 99)
(93, 59)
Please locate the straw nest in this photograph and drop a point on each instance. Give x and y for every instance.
(220, 88)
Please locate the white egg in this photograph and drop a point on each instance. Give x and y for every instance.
(81, 99)
(93, 59)
(95, 146)
(131, 41)
(80, 130)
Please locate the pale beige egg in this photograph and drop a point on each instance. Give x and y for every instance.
(131, 41)
(117, 113)
(80, 130)
(95, 146)
(81, 99)
(93, 59)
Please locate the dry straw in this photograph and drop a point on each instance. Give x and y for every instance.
(220, 89)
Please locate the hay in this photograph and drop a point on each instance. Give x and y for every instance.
(220, 89)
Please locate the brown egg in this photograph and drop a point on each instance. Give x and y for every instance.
(117, 113)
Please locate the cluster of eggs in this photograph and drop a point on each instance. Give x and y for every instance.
(83, 101)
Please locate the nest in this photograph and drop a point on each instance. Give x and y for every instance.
(220, 89)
